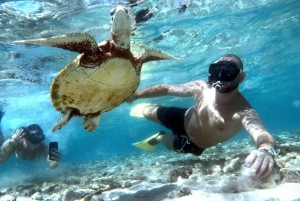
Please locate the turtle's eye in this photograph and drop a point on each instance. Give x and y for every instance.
(126, 11)
(112, 12)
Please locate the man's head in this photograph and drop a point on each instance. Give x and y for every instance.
(232, 58)
(34, 134)
(226, 73)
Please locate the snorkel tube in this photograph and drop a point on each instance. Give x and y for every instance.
(217, 85)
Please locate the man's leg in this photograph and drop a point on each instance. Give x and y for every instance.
(167, 140)
(150, 113)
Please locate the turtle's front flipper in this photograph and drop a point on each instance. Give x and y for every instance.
(77, 42)
(63, 121)
(91, 122)
(153, 54)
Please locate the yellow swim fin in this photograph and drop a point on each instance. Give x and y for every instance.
(145, 143)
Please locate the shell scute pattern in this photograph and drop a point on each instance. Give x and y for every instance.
(99, 87)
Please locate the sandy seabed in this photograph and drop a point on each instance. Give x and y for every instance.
(219, 174)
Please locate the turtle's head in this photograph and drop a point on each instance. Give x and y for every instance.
(120, 27)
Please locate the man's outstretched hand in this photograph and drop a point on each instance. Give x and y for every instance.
(260, 162)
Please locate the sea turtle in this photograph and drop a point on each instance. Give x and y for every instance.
(102, 77)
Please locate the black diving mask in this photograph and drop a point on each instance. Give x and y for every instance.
(224, 71)
(34, 134)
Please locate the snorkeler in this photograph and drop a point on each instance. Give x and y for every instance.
(27, 144)
(220, 111)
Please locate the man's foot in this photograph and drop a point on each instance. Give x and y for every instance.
(154, 141)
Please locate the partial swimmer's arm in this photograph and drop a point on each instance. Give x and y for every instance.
(181, 90)
(1, 134)
(11, 145)
(1, 137)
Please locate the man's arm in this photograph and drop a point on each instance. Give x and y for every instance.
(10, 146)
(254, 126)
(260, 161)
(181, 90)
(6, 150)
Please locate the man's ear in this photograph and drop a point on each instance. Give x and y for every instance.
(242, 77)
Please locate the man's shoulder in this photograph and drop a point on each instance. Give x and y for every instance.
(42, 150)
(248, 112)
(244, 103)
(243, 107)
(198, 83)
(42, 145)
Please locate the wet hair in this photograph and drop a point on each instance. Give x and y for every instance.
(233, 58)
(34, 133)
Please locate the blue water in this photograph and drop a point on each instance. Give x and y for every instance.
(265, 34)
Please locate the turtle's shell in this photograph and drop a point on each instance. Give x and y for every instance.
(93, 90)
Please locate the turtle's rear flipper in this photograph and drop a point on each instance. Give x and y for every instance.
(63, 121)
(91, 122)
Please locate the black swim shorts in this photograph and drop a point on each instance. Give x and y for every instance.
(173, 119)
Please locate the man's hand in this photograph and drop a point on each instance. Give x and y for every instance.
(17, 136)
(54, 162)
(56, 155)
(131, 98)
(261, 162)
